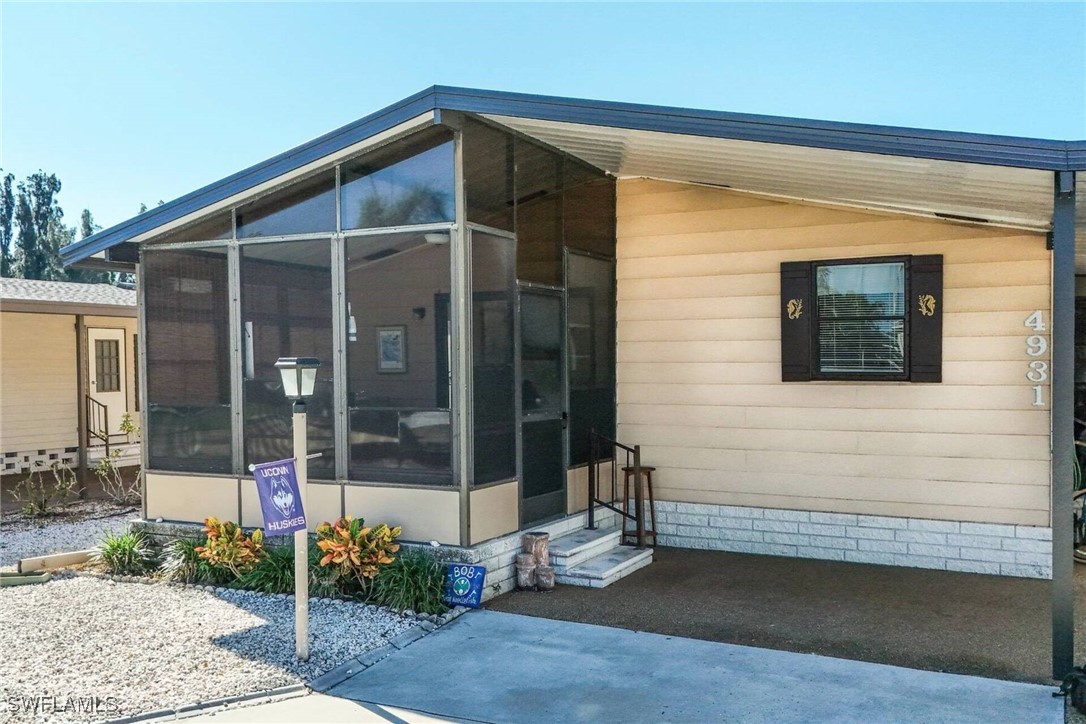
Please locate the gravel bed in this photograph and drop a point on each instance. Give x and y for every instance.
(156, 646)
(82, 526)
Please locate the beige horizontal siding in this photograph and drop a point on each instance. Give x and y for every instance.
(867, 396)
(38, 406)
(699, 364)
(992, 349)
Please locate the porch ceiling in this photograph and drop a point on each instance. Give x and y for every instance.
(1002, 195)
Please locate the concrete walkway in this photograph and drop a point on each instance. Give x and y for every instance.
(499, 667)
(318, 708)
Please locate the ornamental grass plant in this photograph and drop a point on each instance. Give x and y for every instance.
(414, 581)
(124, 554)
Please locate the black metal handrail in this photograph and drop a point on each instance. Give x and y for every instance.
(97, 422)
(598, 443)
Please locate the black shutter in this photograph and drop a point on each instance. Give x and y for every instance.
(926, 318)
(796, 312)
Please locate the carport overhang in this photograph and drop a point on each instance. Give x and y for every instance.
(971, 178)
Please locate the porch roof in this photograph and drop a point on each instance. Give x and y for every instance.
(34, 295)
(974, 177)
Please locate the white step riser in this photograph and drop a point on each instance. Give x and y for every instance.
(633, 566)
(562, 561)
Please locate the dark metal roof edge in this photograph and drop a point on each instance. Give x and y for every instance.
(1018, 152)
(277, 165)
(1030, 153)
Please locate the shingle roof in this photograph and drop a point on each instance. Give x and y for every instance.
(33, 290)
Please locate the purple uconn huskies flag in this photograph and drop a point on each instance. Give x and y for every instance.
(277, 486)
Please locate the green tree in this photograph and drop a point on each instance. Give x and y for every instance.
(87, 226)
(7, 224)
(41, 229)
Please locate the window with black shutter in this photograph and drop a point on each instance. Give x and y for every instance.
(862, 319)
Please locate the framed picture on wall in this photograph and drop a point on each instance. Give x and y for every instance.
(392, 349)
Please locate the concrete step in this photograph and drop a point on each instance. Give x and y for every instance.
(605, 569)
(573, 549)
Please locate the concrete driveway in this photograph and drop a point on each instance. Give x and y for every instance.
(499, 667)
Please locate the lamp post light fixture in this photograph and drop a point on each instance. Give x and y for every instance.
(299, 376)
(299, 379)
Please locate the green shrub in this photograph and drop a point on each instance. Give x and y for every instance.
(415, 581)
(274, 573)
(127, 554)
(40, 494)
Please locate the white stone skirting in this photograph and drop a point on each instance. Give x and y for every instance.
(499, 555)
(1006, 550)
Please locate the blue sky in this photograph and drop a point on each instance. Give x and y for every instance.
(141, 102)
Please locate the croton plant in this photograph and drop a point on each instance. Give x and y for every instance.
(354, 551)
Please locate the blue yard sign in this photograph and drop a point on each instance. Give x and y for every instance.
(280, 501)
(464, 584)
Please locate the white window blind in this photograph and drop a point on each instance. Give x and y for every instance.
(861, 318)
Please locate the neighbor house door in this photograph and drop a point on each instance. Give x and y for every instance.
(543, 413)
(108, 383)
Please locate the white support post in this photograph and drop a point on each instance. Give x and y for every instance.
(301, 537)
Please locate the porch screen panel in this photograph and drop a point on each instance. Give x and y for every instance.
(305, 207)
(539, 214)
(286, 311)
(588, 210)
(493, 265)
(398, 358)
(590, 320)
(488, 175)
(407, 182)
(188, 361)
(216, 226)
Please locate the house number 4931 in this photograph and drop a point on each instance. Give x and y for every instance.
(1037, 345)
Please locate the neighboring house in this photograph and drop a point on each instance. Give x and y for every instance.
(67, 373)
(832, 340)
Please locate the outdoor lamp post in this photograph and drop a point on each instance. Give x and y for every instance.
(299, 378)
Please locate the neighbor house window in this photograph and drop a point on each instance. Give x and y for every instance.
(862, 319)
(107, 365)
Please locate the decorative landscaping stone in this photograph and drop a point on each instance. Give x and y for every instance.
(526, 565)
(246, 638)
(544, 578)
(538, 544)
(84, 526)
